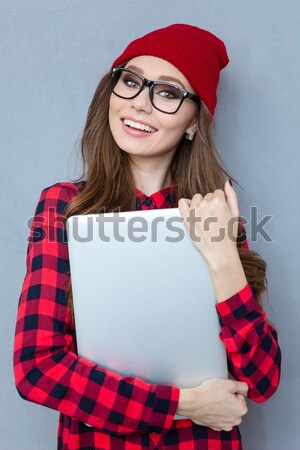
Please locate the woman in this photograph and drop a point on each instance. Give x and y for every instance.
(147, 144)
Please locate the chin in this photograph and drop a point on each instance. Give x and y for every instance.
(133, 150)
(131, 147)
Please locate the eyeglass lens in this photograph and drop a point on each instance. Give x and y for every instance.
(165, 98)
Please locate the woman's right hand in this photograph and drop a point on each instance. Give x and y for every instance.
(217, 403)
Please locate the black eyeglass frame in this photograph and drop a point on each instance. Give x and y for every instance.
(150, 84)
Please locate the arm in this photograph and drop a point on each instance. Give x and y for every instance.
(47, 369)
(252, 347)
(253, 352)
(253, 359)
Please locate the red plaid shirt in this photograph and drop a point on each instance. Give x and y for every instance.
(100, 409)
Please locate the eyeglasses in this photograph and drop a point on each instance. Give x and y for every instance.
(165, 97)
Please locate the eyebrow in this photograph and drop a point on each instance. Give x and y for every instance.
(162, 78)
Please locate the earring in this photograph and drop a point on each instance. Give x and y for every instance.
(190, 136)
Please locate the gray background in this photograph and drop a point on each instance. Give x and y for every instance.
(52, 54)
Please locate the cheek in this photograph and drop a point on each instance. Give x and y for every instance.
(112, 108)
(112, 113)
(174, 129)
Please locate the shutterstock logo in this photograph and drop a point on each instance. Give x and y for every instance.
(51, 227)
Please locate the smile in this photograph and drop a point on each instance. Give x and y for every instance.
(138, 126)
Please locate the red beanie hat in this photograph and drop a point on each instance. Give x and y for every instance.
(197, 53)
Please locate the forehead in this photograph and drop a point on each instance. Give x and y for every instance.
(154, 68)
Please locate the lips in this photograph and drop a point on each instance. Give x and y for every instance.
(135, 124)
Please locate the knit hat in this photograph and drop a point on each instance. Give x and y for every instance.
(197, 53)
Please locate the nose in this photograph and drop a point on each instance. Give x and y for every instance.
(142, 101)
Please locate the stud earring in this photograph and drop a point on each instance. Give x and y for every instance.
(190, 136)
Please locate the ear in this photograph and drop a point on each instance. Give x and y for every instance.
(192, 127)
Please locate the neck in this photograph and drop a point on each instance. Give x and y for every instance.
(151, 179)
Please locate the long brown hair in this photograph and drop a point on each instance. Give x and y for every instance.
(109, 185)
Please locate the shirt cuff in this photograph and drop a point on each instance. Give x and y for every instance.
(237, 306)
(164, 410)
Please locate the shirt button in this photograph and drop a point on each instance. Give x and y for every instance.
(148, 202)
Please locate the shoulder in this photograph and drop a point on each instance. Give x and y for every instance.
(63, 189)
(58, 195)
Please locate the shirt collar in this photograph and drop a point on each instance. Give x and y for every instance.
(165, 198)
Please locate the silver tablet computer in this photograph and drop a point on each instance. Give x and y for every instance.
(144, 301)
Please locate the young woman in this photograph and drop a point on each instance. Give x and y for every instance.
(147, 144)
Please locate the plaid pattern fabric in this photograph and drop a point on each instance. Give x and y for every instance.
(100, 410)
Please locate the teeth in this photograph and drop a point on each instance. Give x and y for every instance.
(138, 126)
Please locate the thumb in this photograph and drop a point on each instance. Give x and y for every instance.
(231, 199)
(240, 387)
(232, 202)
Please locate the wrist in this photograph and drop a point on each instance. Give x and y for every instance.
(225, 262)
(228, 279)
(186, 401)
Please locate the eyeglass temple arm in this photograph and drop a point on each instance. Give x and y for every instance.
(194, 97)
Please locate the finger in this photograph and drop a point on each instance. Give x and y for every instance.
(195, 203)
(219, 193)
(242, 398)
(240, 387)
(231, 199)
(184, 207)
(196, 200)
(199, 422)
(208, 196)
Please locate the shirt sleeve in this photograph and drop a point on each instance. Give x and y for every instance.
(46, 367)
(253, 352)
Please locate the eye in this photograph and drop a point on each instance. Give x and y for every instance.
(168, 92)
(131, 82)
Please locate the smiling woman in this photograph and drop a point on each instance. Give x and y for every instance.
(145, 109)
(147, 144)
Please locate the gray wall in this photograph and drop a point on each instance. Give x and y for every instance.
(52, 54)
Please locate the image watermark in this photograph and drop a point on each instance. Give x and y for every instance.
(51, 227)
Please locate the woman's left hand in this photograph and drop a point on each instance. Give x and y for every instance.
(212, 223)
